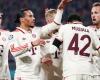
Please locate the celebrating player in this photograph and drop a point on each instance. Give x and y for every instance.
(78, 42)
(95, 15)
(23, 47)
(51, 64)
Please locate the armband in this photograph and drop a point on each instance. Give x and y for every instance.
(57, 43)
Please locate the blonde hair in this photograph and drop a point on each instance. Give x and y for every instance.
(50, 12)
(96, 4)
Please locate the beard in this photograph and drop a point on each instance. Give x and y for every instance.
(31, 26)
(95, 22)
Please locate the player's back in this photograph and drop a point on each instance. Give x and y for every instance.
(77, 46)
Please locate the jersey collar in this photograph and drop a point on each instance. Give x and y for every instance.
(23, 31)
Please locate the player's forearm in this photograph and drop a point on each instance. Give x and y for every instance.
(60, 10)
(47, 30)
(19, 50)
(57, 70)
(52, 48)
(58, 17)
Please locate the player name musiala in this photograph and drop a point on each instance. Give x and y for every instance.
(80, 29)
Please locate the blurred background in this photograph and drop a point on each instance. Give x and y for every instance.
(11, 7)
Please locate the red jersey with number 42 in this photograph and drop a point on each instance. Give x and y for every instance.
(78, 41)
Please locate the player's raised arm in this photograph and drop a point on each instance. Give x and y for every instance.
(53, 19)
(60, 10)
(63, 3)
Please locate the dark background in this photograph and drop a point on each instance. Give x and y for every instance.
(11, 7)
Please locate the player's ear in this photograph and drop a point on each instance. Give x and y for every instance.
(21, 19)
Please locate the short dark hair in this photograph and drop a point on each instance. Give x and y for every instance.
(20, 14)
(74, 17)
(96, 4)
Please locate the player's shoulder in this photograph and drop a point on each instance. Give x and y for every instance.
(18, 30)
(36, 29)
(73, 24)
(91, 30)
(4, 35)
(3, 31)
(64, 25)
(70, 25)
(14, 34)
(91, 27)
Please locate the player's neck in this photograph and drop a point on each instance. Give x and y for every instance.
(26, 28)
(98, 26)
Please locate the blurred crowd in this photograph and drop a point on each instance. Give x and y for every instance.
(11, 7)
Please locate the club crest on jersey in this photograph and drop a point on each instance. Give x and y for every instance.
(47, 41)
(3, 38)
(10, 37)
(34, 35)
(23, 38)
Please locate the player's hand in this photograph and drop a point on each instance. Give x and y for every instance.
(38, 42)
(63, 3)
(46, 59)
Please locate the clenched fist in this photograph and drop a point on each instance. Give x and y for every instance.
(63, 3)
(38, 42)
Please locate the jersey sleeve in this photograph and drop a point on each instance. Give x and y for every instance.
(58, 16)
(53, 47)
(47, 30)
(60, 34)
(17, 48)
(57, 41)
(96, 42)
(48, 48)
